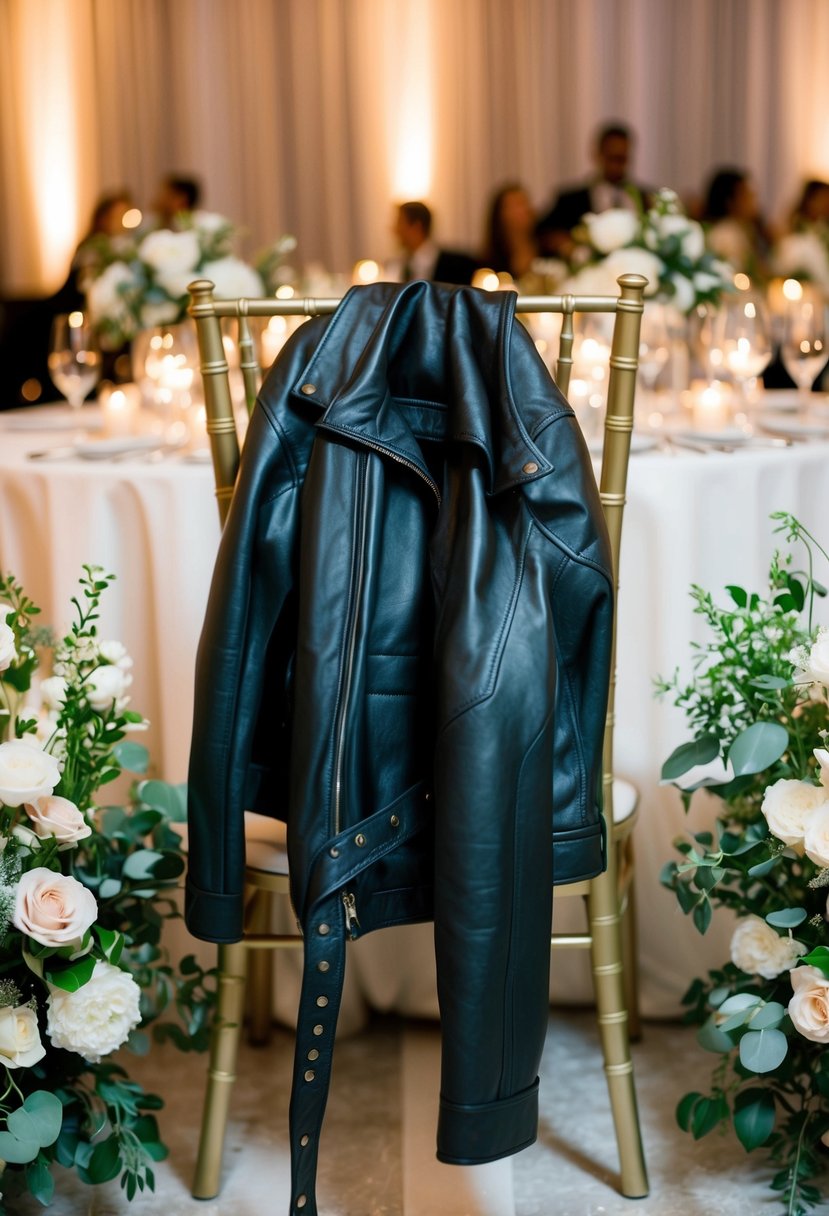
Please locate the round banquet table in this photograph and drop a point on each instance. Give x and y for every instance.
(692, 517)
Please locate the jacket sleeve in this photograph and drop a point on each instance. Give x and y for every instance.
(251, 595)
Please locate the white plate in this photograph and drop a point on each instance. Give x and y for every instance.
(638, 443)
(782, 399)
(794, 428)
(52, 417)
(731, 435)
(106, 447)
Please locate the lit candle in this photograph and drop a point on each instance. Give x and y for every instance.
(710, 408)
(119, 407)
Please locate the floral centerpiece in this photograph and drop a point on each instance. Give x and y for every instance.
(758, 707)
(137, 281)
(84, 892)
(662, 243)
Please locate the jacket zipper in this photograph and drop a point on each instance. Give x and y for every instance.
(355, 595)
(352, 924)
(409, 464)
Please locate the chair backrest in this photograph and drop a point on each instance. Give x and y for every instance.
(626, 310)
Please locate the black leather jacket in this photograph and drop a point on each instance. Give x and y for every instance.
(406, 657)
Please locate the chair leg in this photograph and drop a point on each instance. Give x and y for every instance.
(606, 952)
(630, 964)
(260, 975)
(224, 1045)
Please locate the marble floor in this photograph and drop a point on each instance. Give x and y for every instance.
(377, 1152)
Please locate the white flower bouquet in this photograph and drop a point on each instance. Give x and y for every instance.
(758, 705)
(137, 282)
(663, 244)
(84, 892)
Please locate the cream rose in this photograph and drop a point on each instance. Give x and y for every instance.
(8, 653)
(97, 1018)
(53, 909)
(816, 836)
(691, 237)
(637, 261)
(817, 664)
(106, 686)
(105, 295)
(809, 1007)
(163, 312)
(115, 653)
(684, 295)
(758, 950)
(59, 818)
(170, 252)
(26, 772)
(611, 229)
(787, 806)
(20, 1045)
(232, 278)
(822, 757)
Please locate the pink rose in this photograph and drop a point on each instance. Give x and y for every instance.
(53, 909)
(58, 817)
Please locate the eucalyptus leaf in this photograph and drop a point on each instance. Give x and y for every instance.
(787, 918)
(17, 1152)
(758, 747)
(139, 865)
(131, 756)
(739, 1001)
(109, 888)
(40, 1182)
(702, 915)
(769, 1017)
(763, 1050)
(688, 755)
(753, 1117)
(162, 796)
(769, 682)
(711, 1037)
(763, 867)
(45, 1111)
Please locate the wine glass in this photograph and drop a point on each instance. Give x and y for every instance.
(741, 338)
(804, 348)
(654, 351)
(74, 357)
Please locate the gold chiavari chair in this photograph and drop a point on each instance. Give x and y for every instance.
(610, 930)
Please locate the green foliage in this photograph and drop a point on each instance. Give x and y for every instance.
(756, 721)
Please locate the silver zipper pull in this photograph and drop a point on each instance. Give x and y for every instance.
(352, 924)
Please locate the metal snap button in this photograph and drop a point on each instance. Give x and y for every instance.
(359, 840)
(324, 930)
(303, 1141)
(310, 1074)
(333, 852)
(318, 1030)
(323, 966)
(301, 1201)
(322, 1001)
(395, 821)
(530, 467)
(308, 389)
(313, 1054)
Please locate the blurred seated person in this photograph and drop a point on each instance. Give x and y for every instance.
(420, 257)
(611, 186)
(107, 220)
(177, 195)
(736, 231)
(812, 208)
(510, 243)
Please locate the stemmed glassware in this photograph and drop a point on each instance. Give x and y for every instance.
(74, 359)
(741, 338)
(804, 348)
(654, 351)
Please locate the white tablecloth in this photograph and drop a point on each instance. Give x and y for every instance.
(690, 518)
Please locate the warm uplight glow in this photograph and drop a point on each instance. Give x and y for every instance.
(75, 320)
(31, 389)
(741, 281)
(793, 290)
(366, 271)
(409, 89)
(285, 292)
(132, 218)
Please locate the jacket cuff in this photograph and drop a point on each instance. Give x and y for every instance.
(213, 917)
(473, 1135)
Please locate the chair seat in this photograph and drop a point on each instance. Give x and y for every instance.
(266, 848)
(625, 799)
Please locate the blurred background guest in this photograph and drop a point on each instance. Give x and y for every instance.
(420, 257)
(107, 220)
(510, 243)
(177, 195)
(610, 186)
(736, 230)
(812, 207)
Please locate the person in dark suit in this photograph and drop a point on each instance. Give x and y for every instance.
(420, 257)
(609, 187)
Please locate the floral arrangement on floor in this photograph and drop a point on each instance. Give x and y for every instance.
(663, 244)
(137, 281)
(84, 893)
(758, 705)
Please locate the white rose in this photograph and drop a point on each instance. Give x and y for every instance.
(163, 312)
(7, 649)
(809, 1007)
(232, 278)
(787, 806)
(169, 252)
(26, 836)
(115, 653)
(758, 950)
(209, 222)
(817, 662)
(822, 757)
(175, 283)
(59, 818)
(816, 836)
(54, 909)
(53, 692)
(98, 1018)
(611, 229)
(691, 236)
(704, 281)
(684, 296)
(20, 1045)
(105, 295)
(595, 280)
(26, 772)
(106, 686)
(637, 261)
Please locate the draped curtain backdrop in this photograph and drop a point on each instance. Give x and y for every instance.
(313, 116)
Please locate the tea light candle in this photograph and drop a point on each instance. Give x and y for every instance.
(710, 407)
(119, 406)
